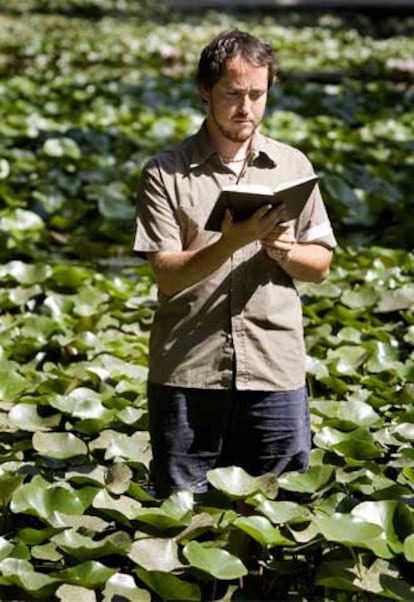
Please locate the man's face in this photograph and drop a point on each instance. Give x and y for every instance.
(237, 102)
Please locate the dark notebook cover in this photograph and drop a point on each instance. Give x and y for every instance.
(244, 199)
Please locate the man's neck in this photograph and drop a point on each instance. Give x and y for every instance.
(226, 148)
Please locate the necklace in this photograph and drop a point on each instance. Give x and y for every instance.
(227, 160)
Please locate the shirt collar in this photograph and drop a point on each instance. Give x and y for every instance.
(203, 148)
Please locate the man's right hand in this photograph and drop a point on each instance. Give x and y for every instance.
(238, 234)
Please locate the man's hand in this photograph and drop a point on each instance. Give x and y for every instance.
(258, 227)
(279, 241)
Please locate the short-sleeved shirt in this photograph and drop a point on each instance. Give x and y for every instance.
(241, 326)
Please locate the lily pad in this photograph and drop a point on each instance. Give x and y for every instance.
(214, 561)
(59, 445)
(237, 483)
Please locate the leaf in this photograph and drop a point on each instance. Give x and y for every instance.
(22, 574)
(281, 513)
(361, 297)
(396, 300)
(82, 402)
(340, 575)
(58, 445)
(46, 500)
(156, 554)
(4, 169)
(5, 548)
(358, 443)
(123, 586)
(118, 478)
(214, 561)
(310, 481)
(8, 484)
(262, 530)
(121, 446)
(21, 220)
(114, 201)
(25, 416)
(68, 593)
(237, 483)
(46, 552)
(347, 359)
(169, 587)
(61, 147)
(89, 574)
(85, 548)
(120, 508)
(346, 414)
(11, 383)
(179, 505)
(395, 518)
(347, 529)
(409, 548)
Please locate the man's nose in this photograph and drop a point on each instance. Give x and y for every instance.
(245, 104)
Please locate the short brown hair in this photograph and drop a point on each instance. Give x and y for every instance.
(227, 45)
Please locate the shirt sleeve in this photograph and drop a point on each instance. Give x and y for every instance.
(156, 228)
(314, 225)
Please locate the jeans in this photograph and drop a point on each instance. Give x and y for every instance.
(195, 430)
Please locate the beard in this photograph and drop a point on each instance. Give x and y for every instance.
(236, 132)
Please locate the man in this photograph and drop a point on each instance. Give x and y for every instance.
(227, 361)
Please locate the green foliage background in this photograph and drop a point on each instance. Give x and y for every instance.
(90, 90)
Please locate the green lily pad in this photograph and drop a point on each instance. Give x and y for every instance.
(347, 414)
(82, 403)
(25, 416)
(11, 383)
(281, 513)
(123, 586)
(237, 483)
(8, 484)
(26, 273)
(359, 443)
(82, 547)
(409, 548)
(262, 530)
(68, 593)
(310, 481)
(59, 445)
(347, 529)
(395, 519)
(22, 574)
(156, 554)
(121, 508)
(360, 298)
(88, 574)
(5, 548)
(169, 587)
(214, 561)
(61, 147)
(347, 359)
(46, 500)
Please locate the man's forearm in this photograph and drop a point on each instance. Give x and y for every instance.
(176, 271)
(306, 262)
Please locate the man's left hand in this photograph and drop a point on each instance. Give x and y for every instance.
(279, 242)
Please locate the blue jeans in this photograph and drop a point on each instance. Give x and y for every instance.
(195, 430)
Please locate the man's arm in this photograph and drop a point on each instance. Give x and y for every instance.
(309, 262)
(175, 271)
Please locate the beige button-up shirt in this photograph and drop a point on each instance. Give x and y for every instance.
(242, 325)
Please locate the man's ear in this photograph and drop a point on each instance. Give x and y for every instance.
(204, 93)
